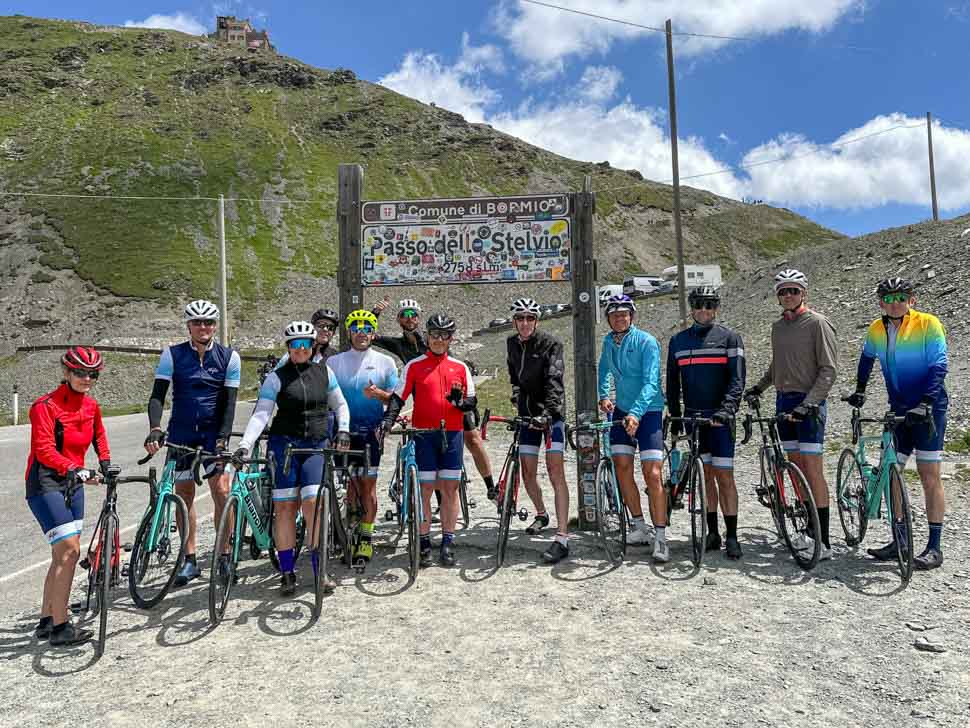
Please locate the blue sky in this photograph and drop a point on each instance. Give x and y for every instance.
(813, 73)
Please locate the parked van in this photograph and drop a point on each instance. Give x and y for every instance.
(610, 289)
(696, 275)
(641, 285)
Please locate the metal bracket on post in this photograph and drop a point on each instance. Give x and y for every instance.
(350, 183)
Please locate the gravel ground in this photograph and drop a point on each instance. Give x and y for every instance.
(755, 642)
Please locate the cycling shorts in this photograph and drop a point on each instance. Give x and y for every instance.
(361, 441)
(471, 420)
(433, 464)
(716, 444)
(648, 438)
(804, 437)
(183, 460)
(306, 471)
(56, 520)
(530, 440)
(915, 438)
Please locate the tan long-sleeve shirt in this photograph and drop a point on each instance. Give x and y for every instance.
(804, 357)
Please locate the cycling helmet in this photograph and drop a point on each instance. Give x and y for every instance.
(703, 293)
(407, 303)
(525, 305)
(894, 285)
(442, 322)
(790, 277)
(620, 302)
(325, 314)
(298, 330)
(82, 357)
(361, 316)
(201, 310)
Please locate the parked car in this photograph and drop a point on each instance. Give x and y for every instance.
(497, 322)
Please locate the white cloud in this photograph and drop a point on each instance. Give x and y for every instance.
(179, 21)
(599, 83)
(725, 138)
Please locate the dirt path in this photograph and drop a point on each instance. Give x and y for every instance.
(757, 642)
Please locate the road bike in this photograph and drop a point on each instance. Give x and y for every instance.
(612, 521)
(861, 489)
(508, 481)
(784, 491)
(685, 475)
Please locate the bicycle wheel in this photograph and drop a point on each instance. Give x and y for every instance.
(610, 513)
(412, 490)
(225, 555)
(151, 570)
(850, 495)
(104, 571)
(338, 523)
(321, 520)
(697, 506)
(901, 521)
(505, 517)
(463, 498)
(799, 519)
(666, 477)
(768, 489)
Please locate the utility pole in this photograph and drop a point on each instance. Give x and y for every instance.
(350, 186)
(929, 139)
(678, 233)
(223, 294)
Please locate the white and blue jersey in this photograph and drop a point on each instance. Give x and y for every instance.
(355, 371)
(196, 386)
(634, 368)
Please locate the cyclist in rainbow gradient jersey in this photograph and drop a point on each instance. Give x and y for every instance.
(911, 348)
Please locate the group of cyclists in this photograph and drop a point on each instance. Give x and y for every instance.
(318, 396)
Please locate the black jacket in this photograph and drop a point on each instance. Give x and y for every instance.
(705, 369)
(536, 369)
(400, 347)
(301, 405)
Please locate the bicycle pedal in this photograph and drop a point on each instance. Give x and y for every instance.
(388, 515)
(124, 570)
(84, 563)
(472, 503)
(523, 514)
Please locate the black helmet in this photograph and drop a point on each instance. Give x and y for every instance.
(703, 293)
(442, 322)
(325, 314)
(894, 285)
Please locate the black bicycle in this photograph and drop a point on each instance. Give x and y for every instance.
(508, 481)
(686, 477)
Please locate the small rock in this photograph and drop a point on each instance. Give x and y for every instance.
(654, 708)
(925, 644)
(709, 581)
(916, 626)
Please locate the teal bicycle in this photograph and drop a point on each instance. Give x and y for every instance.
(612, 520)
(159, 548)
(861, 489)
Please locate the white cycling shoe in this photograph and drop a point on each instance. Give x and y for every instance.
(661, 552)
(641, 537)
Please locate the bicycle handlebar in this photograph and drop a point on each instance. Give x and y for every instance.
(198, 453)
(327, 452)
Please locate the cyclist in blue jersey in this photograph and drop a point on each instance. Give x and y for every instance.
(302, 392)
(367, 378)
(204, 377)
(631, 359)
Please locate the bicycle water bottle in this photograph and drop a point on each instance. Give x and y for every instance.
(675, 458)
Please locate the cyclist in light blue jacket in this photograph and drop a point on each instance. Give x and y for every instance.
(631, 359)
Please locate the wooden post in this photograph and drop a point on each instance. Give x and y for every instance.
(223, 290)
(350, 183)
(583, 272)
(929, 139)
(678, 233)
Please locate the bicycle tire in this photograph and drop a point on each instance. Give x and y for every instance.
(799, 516)
(769, 487)
(697, 506)
(610, 514)
(321, 520)
(850, 497)
(666, 477)
(901, 522)
(220, 585)
(104, 567)
(463, 498)
(141, 561)
(338, 511)
(505, 517)
(413, 489)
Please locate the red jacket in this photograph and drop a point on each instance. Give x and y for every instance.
(428, 379)
(63, 425)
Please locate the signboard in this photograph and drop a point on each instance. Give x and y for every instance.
(468, 240)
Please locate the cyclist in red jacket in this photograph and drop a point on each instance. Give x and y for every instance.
(63, 425)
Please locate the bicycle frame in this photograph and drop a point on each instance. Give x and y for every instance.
(770, 448)
(877, 478)
(164, 486)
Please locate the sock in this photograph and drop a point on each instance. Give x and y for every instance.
(447, 538)
(489, 483)
(731, 525)
(639, 523)
(314, 561)
(661, 532)
(60, 627)
(190, 558)
(286, 560)
(366, 531)
(46, 622)
(712, 521)
(823, 524)
(426, 542)
(936, 533)
(808, 528)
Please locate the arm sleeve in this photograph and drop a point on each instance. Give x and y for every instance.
(394, 405)
(156, 403)
(937, 357)
(603, 374)
(282, 362)
(42, 443)
(673, 381)
(337, 403)
(100, 441)
(737, 372)
(827, 358)
(257, 422)
(650, 356)
(229, 395)
(555, 390)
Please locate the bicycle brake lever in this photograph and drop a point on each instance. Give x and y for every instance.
(747, 429)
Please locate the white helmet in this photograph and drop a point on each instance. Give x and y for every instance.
(407, 303)
(299, 330)
(525, 305)
(201, 310)
(790, 277)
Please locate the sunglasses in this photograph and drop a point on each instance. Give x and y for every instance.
(301, 344)
(409, 313)
(325, 327)
(203, 322)
(439, 335)
(702, 305)
(361, 329)
(895, 298)
(789, 291)
(86, 373)
(525, 318)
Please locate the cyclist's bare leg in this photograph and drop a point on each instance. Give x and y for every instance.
(64, 556)
(427, 490)
(449, 504)
(727, 491)
(811, 467)
(655, 491)
(367, 498)
(710, 489)
(557, 476)
(474, 445)
(185, 489)
(284, 526)
(309, 508)
(929, 475)
(530, 469)
(219, 489)
(628, 486)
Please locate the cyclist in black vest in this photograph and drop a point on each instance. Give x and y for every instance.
(302, 392)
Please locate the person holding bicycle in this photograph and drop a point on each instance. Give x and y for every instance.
(64, 423)
(443, 391)
(911, 348)
(536, 369)
(631, 359)
(367, 378)
(705, 366)
(302, 392)
(204, 376)
(803, 368)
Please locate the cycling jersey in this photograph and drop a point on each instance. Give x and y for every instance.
(634, 367)
(804, 356)
(536, 371)
(913, 358)
(429, 379)
(63, 425)
(355, 371)
(706, 364)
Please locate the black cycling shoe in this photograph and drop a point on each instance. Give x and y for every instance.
(43, 629)
(288, 584)
(535, 528)
(732, 549)
(884, 553)
(929, 559)
(446, 555)
(63, 635)
(555, 553)
(713, 541)
(491, 493)
(425, 561)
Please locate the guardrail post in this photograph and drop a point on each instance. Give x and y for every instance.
(16, 405)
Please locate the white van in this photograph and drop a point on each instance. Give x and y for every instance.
(610, 289)
(696, 275)
(641, 285)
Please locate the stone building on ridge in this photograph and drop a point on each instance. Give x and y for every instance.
(237, 32)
